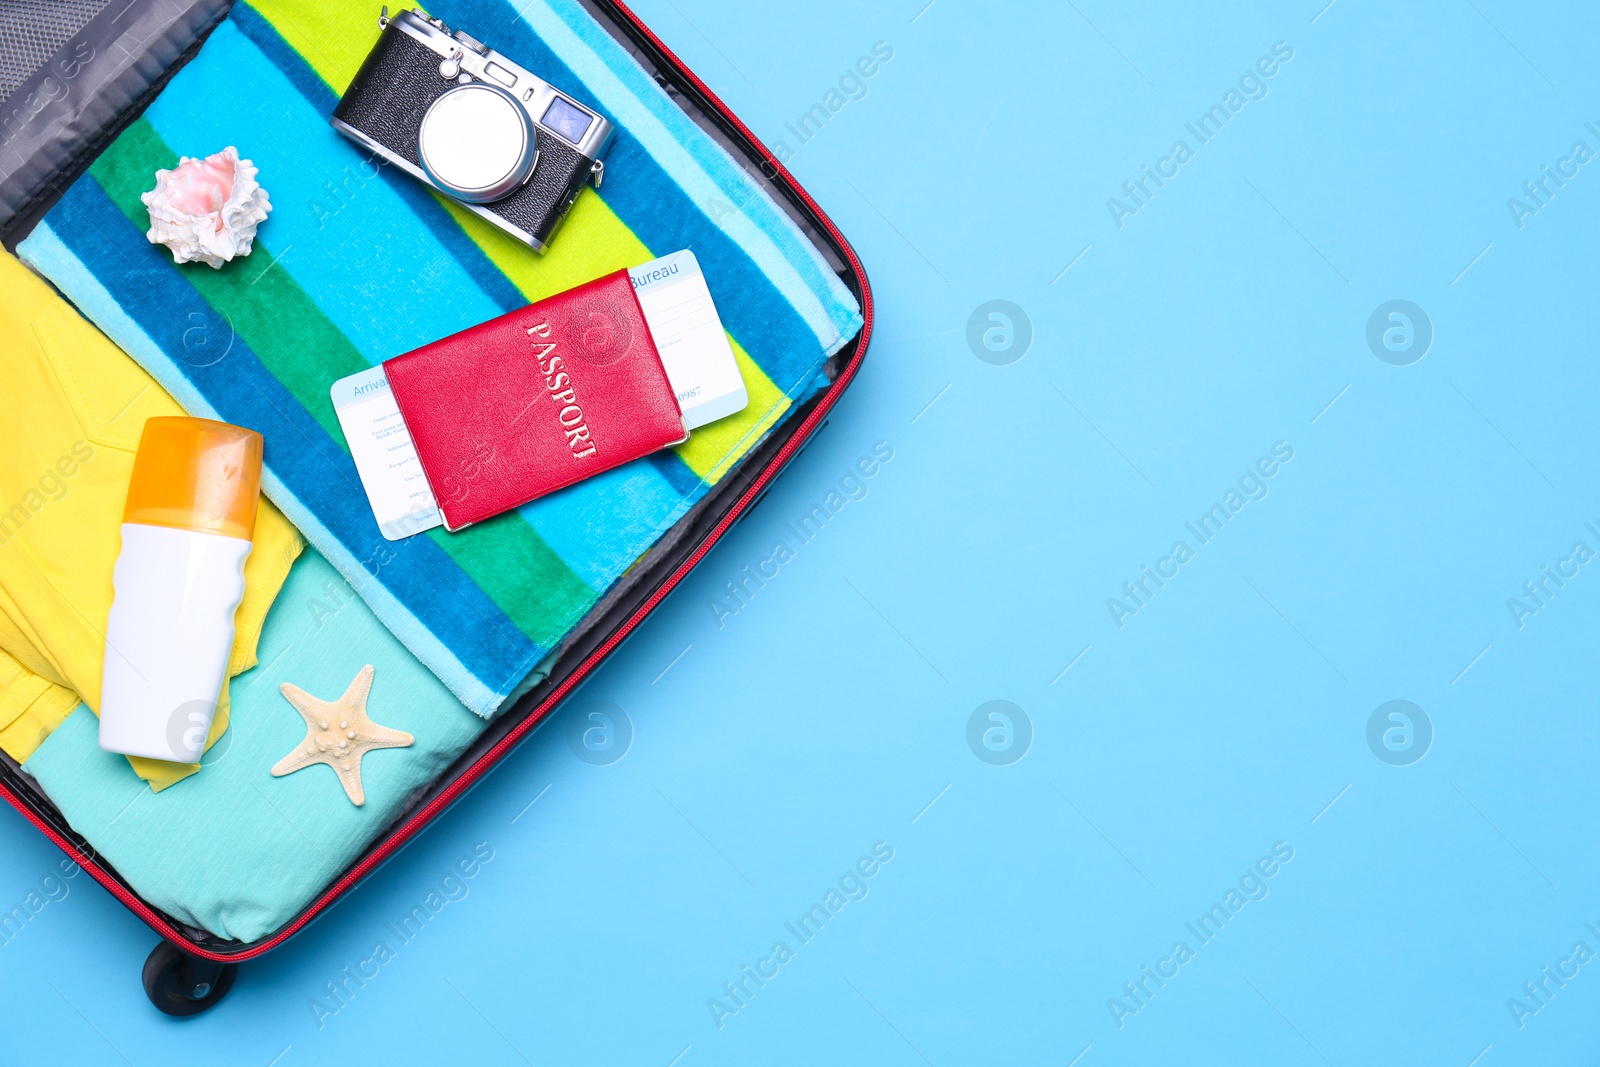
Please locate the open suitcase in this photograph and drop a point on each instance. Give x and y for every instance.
(191, 969)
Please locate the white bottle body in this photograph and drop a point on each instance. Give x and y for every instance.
(168, 639)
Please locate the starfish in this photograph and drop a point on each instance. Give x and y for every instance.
(339, 733)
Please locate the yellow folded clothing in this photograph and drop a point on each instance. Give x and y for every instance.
(30, 706)
(75, 406)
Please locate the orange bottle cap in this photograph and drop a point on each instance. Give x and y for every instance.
(196, 474)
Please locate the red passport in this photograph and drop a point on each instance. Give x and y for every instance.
(535, 400)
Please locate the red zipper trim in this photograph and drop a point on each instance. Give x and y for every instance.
(423, 817)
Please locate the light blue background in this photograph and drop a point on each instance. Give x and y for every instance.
(1230, 713)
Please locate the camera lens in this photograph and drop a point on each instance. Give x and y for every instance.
(476, 143)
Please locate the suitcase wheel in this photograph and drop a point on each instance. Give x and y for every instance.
(180, 984)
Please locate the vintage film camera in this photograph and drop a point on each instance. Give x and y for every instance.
(454, 113)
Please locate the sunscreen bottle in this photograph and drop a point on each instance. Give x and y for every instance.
(186, 530)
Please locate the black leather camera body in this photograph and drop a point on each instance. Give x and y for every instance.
(461, 117)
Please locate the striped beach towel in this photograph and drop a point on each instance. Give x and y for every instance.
(358, 263)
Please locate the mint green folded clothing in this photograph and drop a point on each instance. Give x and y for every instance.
(232, 849)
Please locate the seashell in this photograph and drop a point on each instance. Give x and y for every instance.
(207, 210)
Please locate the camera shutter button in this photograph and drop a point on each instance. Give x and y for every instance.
(476, 143)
